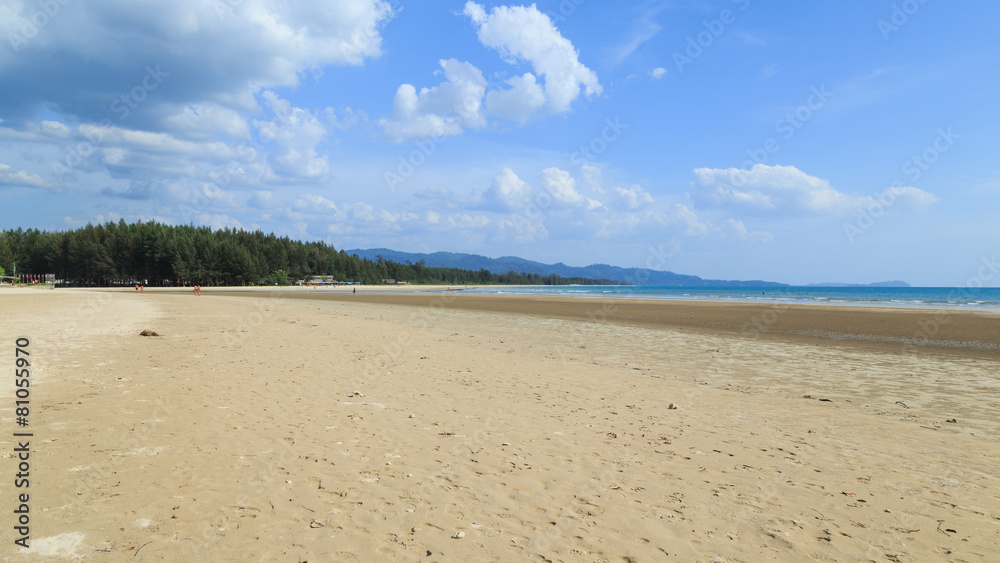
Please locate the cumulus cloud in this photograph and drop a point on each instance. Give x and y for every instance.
(782, 189)
(521, 102)
(520, 230)
(54, 129)
(732, 228)
(207, 121)
(223, 56)
(910, 197)
(674, 222)
(295, 132)
(316, 203)
(523, 33)
(466, 221)
(633, 197)
(562, 187)
(694, 226)
(437, 193)
(446, 109)
(109, 95)
(462, 102)
(658, 73)
(508, 191)
(593, 176)
(688, 218)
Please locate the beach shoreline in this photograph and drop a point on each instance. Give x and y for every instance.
(908, 330)
(887, 329)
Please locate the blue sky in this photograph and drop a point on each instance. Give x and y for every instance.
(796, 142)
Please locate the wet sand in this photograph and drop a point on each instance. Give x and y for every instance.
(886, 329)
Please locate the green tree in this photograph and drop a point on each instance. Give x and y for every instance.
(278, 277)
(115, 253)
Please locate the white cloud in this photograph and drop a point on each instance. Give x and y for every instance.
(519, 34)
(19, 178)
(783, 189)
(508, 192)
(466, 221)
(676, 222)
(223, 52)
(195, 73)
(767, 188)
(520, 230)
(316, 203)
(562, 187)
(439, 194)
(693, 225)
(295, 133)
(658, 73)
(592, 176)
(521, 102)
(525, 33)
(348, 118)
(914, 198)
(359, 211)
(445, 109)
(54, 129)
(633, 198)
(732, 228)
(207, 121)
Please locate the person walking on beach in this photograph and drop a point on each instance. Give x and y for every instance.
(355, 291)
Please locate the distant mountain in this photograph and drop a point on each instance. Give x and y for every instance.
(893, 283)
(637, 276)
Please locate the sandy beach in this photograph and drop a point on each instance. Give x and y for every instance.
(327, 426)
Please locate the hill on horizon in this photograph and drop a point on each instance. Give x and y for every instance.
(504, 264)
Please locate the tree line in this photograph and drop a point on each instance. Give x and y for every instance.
(157, 254)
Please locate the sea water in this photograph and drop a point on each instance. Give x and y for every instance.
(937, 297)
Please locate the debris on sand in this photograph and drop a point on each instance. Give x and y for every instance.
(148, 333)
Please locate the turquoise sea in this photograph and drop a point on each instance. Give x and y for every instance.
(937, 297)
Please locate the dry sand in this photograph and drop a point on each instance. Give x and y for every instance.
(264, 428)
